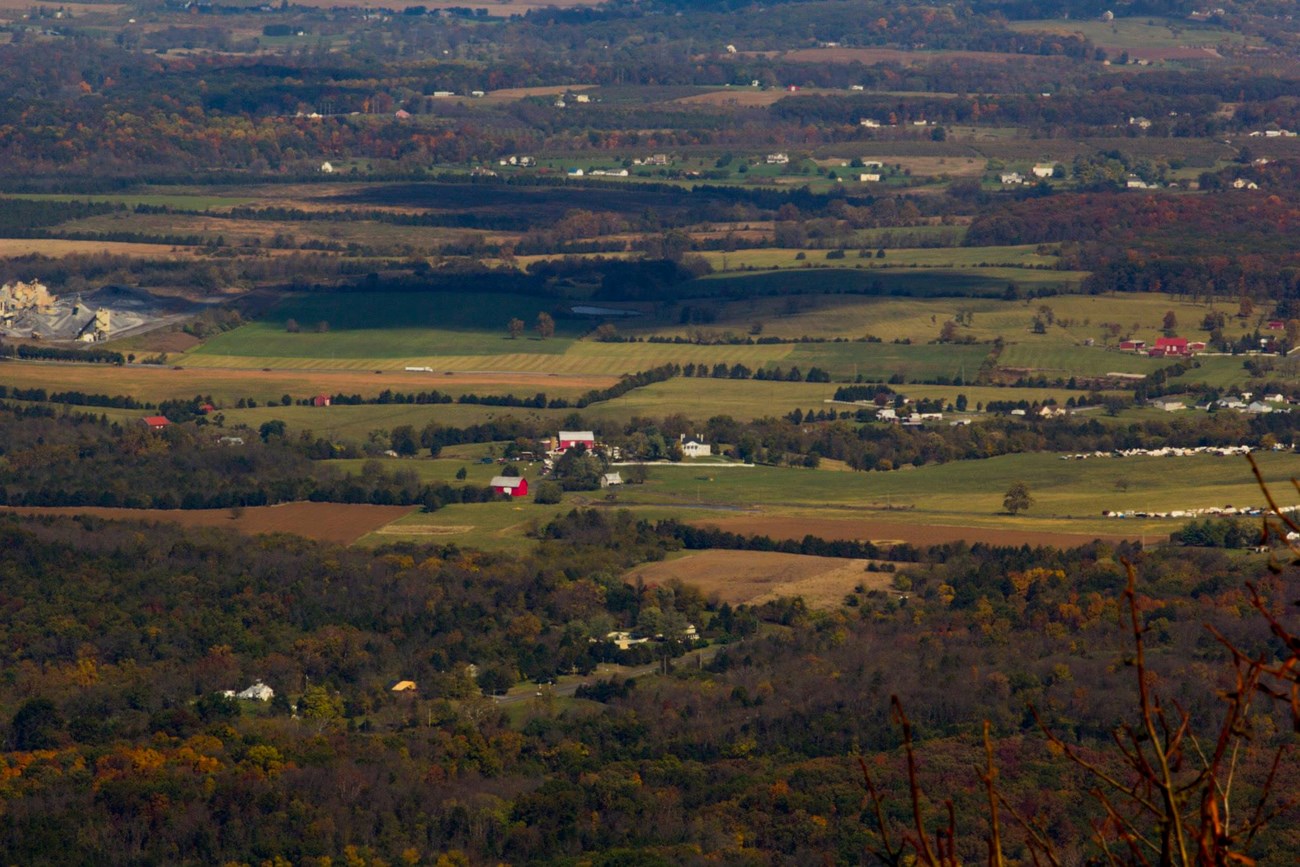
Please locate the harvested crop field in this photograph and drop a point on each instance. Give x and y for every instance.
(56, 247)
(868, 56)
(499, 9)
(898, 531)
(324, 522)
(1181, 52)
(155, 383)
(746, 97)
(755, 577)
(547, 90)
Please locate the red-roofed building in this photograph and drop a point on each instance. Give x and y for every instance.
(1133, 345)
(155, 422)
(207, 408)
(571, 439)
(515, 486)
(321, 400)
(1170, 346)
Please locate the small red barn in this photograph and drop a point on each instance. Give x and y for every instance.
(155, 422)
(1132, 345)
(515, 486)
(321, 400)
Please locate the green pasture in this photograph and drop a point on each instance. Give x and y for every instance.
(971, 491)
(393, 325)
(983, 394)
(1069, 495)
(1142, 31)
(1066, 359)
(443, 469)
(1226, 371)
(700, 399)
(879, 361)
(1022, 256)
(902, 281)
(1076, 318)
(503, 524)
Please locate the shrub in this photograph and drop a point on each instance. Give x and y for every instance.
(547, 494)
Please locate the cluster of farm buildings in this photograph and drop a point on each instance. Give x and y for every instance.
(563, 441)
(1176, 347)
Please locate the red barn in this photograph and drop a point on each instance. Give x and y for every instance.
(1132, 345)
(515, 486)
(321, 400)
(155, 422)
(569, 439)
(1171, 345)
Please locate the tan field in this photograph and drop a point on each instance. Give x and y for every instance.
(869, 56)
(548, 90)
(227, 386)
(892, 55)
(743, 96)
(55, 247)
(500, 8)
(755, 577)
(18, 7)
(325, 522)
(883, 532)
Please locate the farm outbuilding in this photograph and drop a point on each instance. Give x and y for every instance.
(512, 485)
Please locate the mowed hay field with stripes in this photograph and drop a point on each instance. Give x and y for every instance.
(467, 334)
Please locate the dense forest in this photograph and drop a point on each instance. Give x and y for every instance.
(121, 748)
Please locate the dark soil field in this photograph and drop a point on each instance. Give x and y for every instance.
(324, 522)
(509, 206)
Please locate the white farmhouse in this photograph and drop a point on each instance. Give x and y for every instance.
(695, 447)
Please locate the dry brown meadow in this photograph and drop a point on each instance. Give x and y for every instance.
(326, 522)
(755, 577)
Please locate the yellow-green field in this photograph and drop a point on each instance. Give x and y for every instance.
(156, 383)
(1138, 32)
(1076, 318)
(1069, 498)
(1024, 256)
